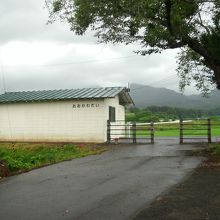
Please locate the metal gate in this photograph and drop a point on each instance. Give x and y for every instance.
(132, 132)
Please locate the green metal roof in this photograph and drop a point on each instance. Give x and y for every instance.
(67, 94)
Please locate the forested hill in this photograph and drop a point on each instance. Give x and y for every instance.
(144, 96)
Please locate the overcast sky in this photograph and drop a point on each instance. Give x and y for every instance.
(35, 56)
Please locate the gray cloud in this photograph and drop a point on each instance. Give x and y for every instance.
(107, 72)
(26, 20)
(78, 60)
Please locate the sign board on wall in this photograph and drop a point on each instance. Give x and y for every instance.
(88, 105)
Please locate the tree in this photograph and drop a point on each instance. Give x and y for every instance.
(157, 25)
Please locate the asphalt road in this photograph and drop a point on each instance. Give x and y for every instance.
(114, 185)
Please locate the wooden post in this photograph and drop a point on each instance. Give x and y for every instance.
(134, 132)
(209, 132)
(152, 132)
(181, 131)
(108, 131)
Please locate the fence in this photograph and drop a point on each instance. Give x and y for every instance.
(130, 131)
(200, 130)
(188, 130)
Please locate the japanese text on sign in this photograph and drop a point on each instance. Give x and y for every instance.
(85, 105)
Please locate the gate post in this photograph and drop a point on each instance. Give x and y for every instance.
(108, 131)
(209, 132)
(181, 131)
(134, 132)
(152, 132)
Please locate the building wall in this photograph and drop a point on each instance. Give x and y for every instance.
(67, 121)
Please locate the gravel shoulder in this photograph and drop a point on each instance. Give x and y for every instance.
(197, 198)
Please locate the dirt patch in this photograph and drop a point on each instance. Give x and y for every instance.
(4, 171)
(212, 162)
(197, 198)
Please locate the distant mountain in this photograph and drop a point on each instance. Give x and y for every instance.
(144, 96)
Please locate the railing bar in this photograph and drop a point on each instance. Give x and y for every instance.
(130, 126)
(195, 124)
(130, 129)
(192, 129)
(132, 138)
(119, 134)
(118, 129)
(195, 135)
(195, 138)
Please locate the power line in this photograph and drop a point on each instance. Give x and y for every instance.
(2, 73)
(75, 63)
(4, 89)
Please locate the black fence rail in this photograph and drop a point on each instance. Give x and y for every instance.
(130, 131)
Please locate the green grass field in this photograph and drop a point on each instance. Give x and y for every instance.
(26, 156)
(194, 128)
(170, 133)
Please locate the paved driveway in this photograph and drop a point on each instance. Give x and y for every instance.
(114, 185)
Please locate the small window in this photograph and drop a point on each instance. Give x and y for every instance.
(111, 114)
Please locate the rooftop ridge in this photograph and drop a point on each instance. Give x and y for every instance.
(66, 94)
(45, 90)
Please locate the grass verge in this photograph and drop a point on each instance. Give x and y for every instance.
(213, 157)
(19, 157)
(215, 150)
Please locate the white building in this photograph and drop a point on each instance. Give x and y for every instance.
(76, 115)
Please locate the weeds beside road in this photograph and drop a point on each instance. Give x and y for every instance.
(19, 157)
(215, 150)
